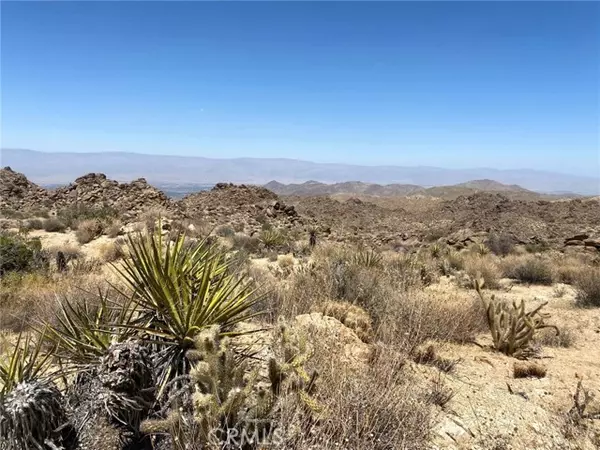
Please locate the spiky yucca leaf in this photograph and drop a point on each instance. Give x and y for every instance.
(272, 238)
(179, 290)
(366, 258)
(83, 331)
(25, 363)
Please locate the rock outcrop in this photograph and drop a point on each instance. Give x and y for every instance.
(18, 193)
(95, 189)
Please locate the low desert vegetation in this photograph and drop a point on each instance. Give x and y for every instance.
(54, 225)
(587, 285)
(167, 338)
(530, 269)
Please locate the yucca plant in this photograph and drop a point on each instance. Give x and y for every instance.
(366, 258)
(83, 331)
(31, 406)
(178, 291)
(272, 237)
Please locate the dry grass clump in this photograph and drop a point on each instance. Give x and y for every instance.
(429, 355)
(88, 230)
(500, 244)
(549, 338)
(566, 269)
(352, 316)
(482, 266)
(35, 224)
(114, 229)
(70, 251)
(412, 319)
(111, 251)
(379, 408)
(54, 225)
(245, 243)
(150, 217)
(286, 262)
(587, 286)
(528, 269)
(528, 369)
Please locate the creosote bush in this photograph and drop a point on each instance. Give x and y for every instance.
(528, 269)
(88, 230)
(482, 266)
(54, 225)
(587, 286)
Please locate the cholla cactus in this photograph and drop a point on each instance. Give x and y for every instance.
(227, 395)
(512, 328)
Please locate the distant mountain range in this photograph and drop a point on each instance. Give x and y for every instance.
(58, 168)
(408, 190)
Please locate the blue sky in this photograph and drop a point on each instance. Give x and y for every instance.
(449, 84)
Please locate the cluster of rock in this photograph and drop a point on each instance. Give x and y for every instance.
(18, 193)
(95, 189)
(242, 206)
(583, 240)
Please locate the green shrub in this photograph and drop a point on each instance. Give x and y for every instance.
(587, 285)
(54, 225)
(35, 224)
(179, 290)
(529, 269)
(500, 244)
(18, 254)
(72, 215)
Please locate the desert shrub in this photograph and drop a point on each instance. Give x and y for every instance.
(429, 355)
(286, 261)
(528, 269)
(478, 266)
(35, 224)
(412, 319)
(242, 242)
(549, 338)
(71, 216)
(88, 230)
(500, 244)
(456, 260)
(54, 225)
(566, 271)
(114, 229)
(18, 254)
(435, 233)
(150, 217)
(224, 231)
(10, 213)
(587, 286)
(379, 408)
(111, 251)
(537, 247)
(528, 369)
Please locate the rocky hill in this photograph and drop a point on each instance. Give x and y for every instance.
(17, 192)
(248, 208)
(407, 190)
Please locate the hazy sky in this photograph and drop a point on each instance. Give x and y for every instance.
(451, 84)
